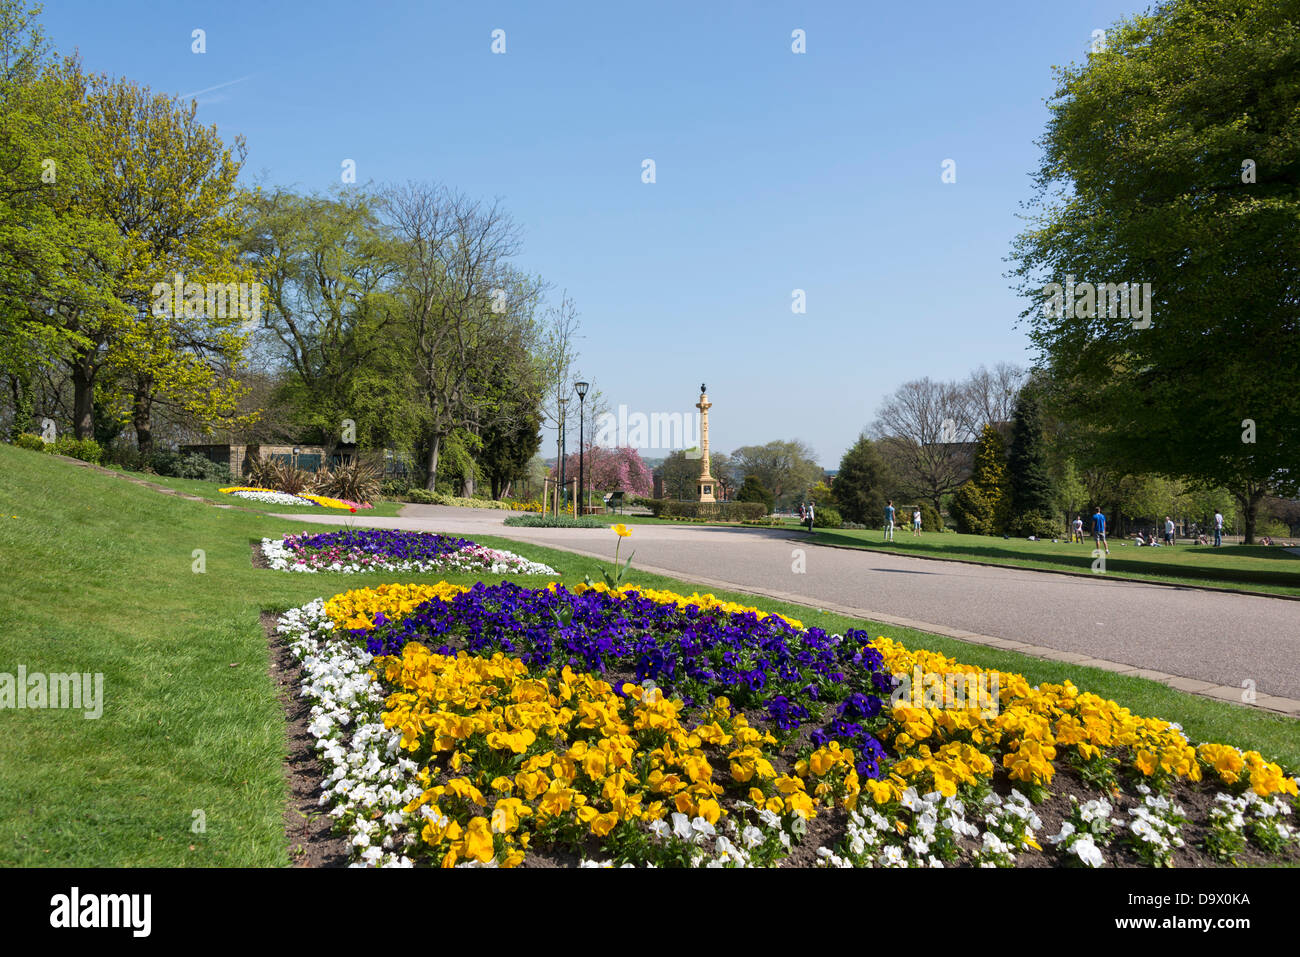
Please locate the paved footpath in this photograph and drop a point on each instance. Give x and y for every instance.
(1203, 642)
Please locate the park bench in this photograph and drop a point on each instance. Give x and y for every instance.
(614, 502)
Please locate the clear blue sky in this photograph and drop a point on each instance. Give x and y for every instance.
(775, 171)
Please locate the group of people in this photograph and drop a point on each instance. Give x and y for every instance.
(806, 518)
(890, 517)
(1099, 532)
(1150, 537)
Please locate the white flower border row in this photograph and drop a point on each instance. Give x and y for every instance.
(473, 558)
(269, 497)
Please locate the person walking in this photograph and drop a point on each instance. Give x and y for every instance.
(1169, 530)
(916, 522)
(1076, 533)
(1099, 530)
(1218, 529)
(810, 516)
(889, 521)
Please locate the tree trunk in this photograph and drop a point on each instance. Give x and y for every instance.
(505, 492)
(467, 487)
(142, 420)
(83, 403)
(432, 462)
(1250, 513)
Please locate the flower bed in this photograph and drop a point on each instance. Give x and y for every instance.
(499, 726)
(272, 497)
(361, 550)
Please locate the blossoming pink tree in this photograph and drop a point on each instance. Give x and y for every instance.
(610, 470)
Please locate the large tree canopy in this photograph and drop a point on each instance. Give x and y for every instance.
(1171, 159)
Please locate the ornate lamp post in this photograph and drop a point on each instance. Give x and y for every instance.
(581, 389)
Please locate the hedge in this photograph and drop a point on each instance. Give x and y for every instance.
(707, 511)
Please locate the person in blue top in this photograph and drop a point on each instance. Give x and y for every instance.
(1099, 530)
(889, 521)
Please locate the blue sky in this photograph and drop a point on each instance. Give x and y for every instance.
(775, 171)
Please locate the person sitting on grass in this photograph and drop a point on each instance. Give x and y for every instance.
(1139, 542)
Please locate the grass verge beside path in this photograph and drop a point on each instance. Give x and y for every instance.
(1238, 567)
(211, 491)
(101, 576)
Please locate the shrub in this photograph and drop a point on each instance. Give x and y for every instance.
(707, 511)
(34, 443)
(356, 481)
(556, 521)
(394, 488)
(279, 476)
(190, 465)
(826, 517)
(1036, 524)
(752, 490)
(87, 450)
(930, 520)
(972, 510)
(422, 496)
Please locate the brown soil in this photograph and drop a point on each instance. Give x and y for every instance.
(259, 561)
(307, 827)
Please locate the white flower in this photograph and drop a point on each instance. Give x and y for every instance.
(1066, 830)
(682, 826)
(1087, 851)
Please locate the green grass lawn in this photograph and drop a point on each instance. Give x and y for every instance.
(211, 491)
(98, 576)
(1245, 567)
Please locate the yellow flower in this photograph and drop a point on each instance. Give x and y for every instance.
(621, 530)
(710, 810)
(602, 825)
(478, 840)
(505, 817)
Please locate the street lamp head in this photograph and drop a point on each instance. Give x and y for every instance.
(581, 389)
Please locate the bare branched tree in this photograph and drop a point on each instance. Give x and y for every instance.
(458, 295)
(990, 397)
(921, 431)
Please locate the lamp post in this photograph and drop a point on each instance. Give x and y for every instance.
(581, 389)
(559, 471)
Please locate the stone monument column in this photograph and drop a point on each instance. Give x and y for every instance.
(707, 481)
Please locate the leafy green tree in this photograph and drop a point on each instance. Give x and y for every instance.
(1032, 493)
(679, 473)
(982, 505)
(863, 483)
(327, 264)
(58, 255)
(785, 468)
(752, 490)
(1157, 169)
